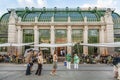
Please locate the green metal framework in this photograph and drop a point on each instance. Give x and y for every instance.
(59, 15)
(45, 17)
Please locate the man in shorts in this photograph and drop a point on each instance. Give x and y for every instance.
(55, 58)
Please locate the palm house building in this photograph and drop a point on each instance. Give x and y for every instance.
(61, 25)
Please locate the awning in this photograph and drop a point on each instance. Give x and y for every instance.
(14, 44)
(54, 45)
(115, 44)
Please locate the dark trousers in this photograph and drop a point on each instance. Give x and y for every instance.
(39, 69)
(28, 70)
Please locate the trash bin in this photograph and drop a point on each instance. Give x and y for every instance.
(65, 63)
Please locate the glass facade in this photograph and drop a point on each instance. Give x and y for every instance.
(75, 16)
(60, 36)
(91, 16)
(3, 40)
(28, 37)
(59, 15)
(4, 31)
(77, 37)
(45, 17)
(93, 37)
(44, 36)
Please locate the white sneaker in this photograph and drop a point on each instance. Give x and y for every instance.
(51, 73)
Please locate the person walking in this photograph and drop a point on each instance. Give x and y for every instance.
(28, 61)
(28, 71)
(68, 59)
(115, 62)
(55, 58)
(76, 61)
(40, 62)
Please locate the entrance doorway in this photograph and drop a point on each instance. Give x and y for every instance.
(93, 50)
(61, 51)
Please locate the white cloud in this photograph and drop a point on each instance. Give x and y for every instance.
(32, 3)
(25, 3)
(102, 4)
(41, 3)
(2, 12)
(105, 4)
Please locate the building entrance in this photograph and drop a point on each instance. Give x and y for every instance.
(61, 51)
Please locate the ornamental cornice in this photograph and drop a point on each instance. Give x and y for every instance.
(61, 23)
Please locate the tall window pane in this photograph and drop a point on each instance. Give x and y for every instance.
(61, 36)
(28, 35)
(44, 36)
(3, 40)
(93, 37)
(77, 37)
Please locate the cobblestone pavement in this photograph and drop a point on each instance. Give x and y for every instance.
(85, 72)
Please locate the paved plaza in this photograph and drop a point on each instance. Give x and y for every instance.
(85, 72)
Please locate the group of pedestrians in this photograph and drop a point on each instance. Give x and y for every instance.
(40, 64)
(76, 61)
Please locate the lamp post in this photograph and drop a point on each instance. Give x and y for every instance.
(78, 47)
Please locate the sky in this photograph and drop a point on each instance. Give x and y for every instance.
(7, 4)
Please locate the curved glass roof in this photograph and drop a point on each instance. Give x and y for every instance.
(30, 17)
(4, 19)
(90, 16)
(60, 15)
(116, 20)
(76, 16)
(45, 17)
(4, 23)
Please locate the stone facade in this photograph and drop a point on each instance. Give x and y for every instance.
(105, 26)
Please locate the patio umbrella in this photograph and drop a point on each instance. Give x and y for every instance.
(30, 49)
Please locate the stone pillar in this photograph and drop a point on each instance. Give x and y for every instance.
(85, 40)
(12, 27)
(12, 30)
(101, 37)
(85, 37)
(109, 27)
(109, 35)
(19, 39)
(52, 38)
(69, 39)
(52, 19)
(36, 36)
